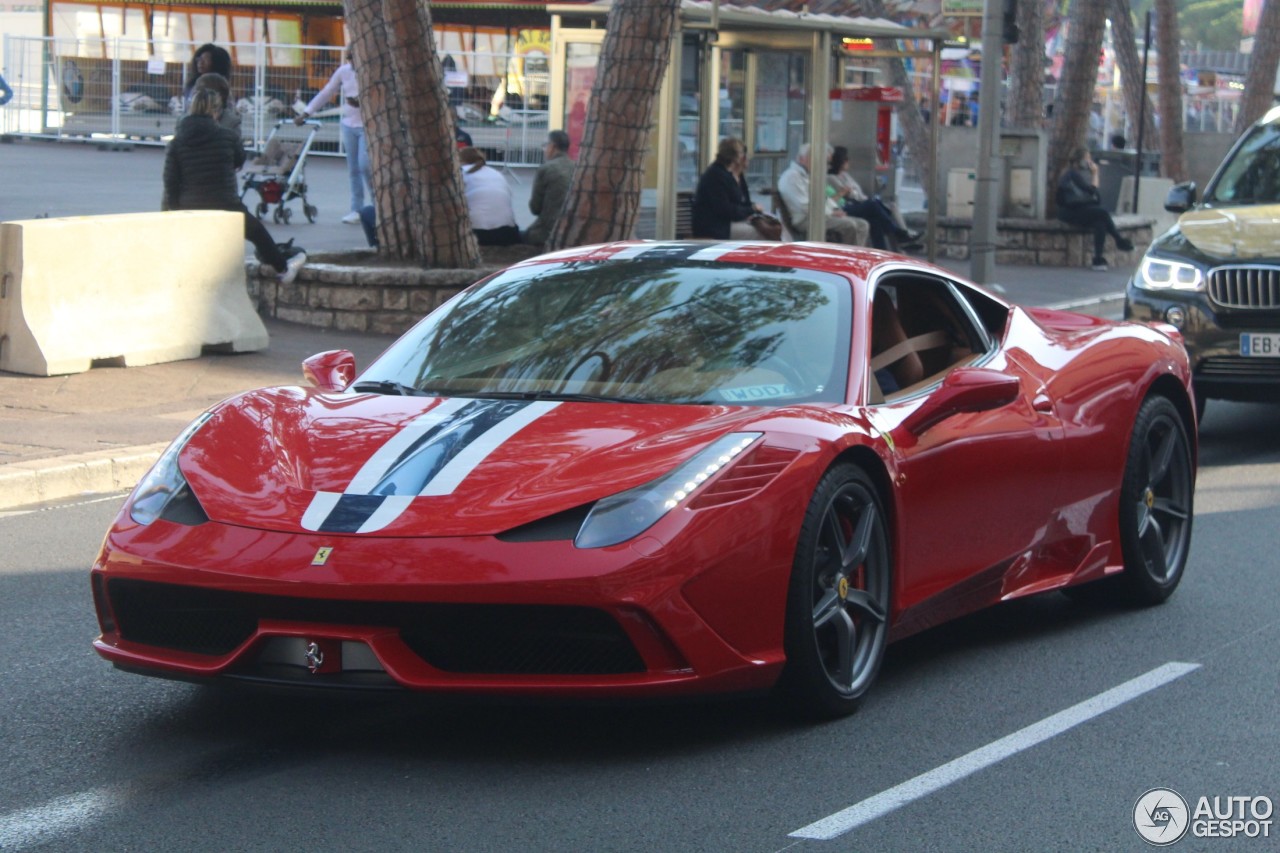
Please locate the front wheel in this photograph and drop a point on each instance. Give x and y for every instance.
(837, 623)
(1156, 503)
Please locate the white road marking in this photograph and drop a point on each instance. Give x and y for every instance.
(56, 818)
(926, 783)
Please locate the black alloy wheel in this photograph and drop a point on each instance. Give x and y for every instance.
(1156, 503)
(838, 602)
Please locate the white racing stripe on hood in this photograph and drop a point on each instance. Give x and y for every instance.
(373, 470)
(318, 510)
(477, 451)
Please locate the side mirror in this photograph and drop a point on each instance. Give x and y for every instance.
(330, 371)
(965, 389)
(1181, 197)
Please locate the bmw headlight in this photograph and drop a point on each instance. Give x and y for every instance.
(164, 481)
(620, 517)
(1159, 274)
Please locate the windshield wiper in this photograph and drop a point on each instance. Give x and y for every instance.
(387, 386)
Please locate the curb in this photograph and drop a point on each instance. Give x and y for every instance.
(41, 480)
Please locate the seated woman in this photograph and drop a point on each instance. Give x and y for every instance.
(1079, 204)
(722, 207)
(489, 198)
(885, 221)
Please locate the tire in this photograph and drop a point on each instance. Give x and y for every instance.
(838, 598)
(263, 207)
(278, 215)
(1156, 499)
(286, 214)
(310, 211)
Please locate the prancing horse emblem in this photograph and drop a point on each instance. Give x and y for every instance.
(322, 556)
(314, 657)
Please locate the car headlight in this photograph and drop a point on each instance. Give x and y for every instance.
(620, 517)
(1158, 274)
(154, 492)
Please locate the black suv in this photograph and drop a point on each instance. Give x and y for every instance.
(1216, 274)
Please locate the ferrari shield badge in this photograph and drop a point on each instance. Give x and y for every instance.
(322, 556)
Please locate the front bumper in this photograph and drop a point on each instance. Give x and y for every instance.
(1212, 337)
(467, 615)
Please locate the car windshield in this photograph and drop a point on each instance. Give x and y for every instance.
(633, 331)
(1252, 176)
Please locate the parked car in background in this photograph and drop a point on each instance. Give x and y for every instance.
(1216, 274)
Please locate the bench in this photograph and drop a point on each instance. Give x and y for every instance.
(127, 289)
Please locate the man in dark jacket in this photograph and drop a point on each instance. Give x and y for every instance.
(721, 204)
(550, 188)
(200, 174)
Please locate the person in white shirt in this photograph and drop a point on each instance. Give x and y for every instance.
(493, 219)
(345, 82)
(793, 188)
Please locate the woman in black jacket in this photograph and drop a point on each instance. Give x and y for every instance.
(200, 174)
(1080, 205)
(721, 203)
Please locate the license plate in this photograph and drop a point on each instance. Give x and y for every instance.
(1260, 346)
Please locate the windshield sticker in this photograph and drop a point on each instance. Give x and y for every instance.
(756, 393)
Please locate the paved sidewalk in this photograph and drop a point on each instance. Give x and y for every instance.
(99, 431)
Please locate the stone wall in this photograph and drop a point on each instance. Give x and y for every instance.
(356, 291)
(1045, 243)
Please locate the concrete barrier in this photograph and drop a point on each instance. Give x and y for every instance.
(125, 289)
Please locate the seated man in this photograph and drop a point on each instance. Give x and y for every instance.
(793, 192)
(550, 187)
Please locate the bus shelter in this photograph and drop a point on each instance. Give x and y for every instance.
(772, 78)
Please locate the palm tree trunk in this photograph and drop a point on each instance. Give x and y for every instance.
(399, 216)
(1133, 76)
(1173, 158)
(1025, 106)
(434, 173)
(604, 199)
(1260, 81)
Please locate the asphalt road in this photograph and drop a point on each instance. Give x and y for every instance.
(96, 759)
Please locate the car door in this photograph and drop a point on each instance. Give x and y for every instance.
(975, 489)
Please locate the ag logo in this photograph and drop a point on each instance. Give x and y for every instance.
(1161, 816)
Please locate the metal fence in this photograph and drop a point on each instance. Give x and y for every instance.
(119, 90)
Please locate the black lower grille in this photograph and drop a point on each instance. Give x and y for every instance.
(1240, 367)
(464, 638)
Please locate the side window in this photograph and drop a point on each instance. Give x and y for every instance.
(920, 330)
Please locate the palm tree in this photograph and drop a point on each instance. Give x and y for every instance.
(1173, 157)
(1260, 81)
(417, 181)
(1133, 75)
(1025, 106)
(604, 198)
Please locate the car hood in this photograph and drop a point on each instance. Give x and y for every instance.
(1233, 232)
(294, 459)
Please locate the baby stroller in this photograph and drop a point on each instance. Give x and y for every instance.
(279, 172)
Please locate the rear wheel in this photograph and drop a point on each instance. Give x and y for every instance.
(1156, 503)
(838, 600)
(310, 211)
(263, 207)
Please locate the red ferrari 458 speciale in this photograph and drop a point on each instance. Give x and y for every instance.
(659, 469)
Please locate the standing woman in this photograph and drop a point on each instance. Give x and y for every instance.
(346, 84)
(200, 174)
(209, 58)
(493, 219)
(1079, 204)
